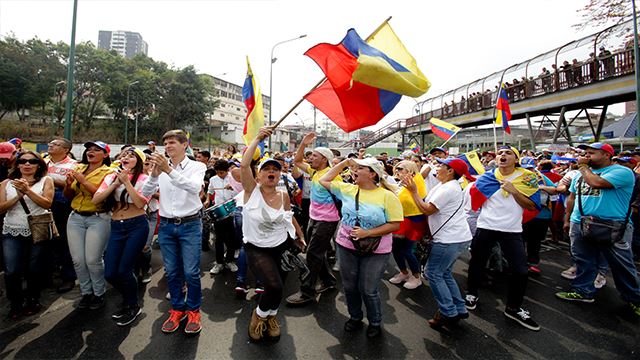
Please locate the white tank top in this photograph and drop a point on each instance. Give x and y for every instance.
(264, 226)
(15, 221)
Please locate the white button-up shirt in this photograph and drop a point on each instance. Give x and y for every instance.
(179, 189)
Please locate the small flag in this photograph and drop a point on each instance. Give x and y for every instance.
(414, 147)
(503, 112)
(443, 129)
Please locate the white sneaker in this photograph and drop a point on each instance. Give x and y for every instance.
(336, 267)
(570, 273)
(168, 296)
(412, 283)
(232, 267)
(400, 278)
(216, 269)
(600, 281)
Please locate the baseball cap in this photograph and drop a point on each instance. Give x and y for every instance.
(101, 144)
(269, 161)
(16, 141)
(138, 152)
(598, 146)
(528, 162)
(7, 149)
(626, 159)
(437, 149)
(459, 166)
(326, 152)
(151, 142)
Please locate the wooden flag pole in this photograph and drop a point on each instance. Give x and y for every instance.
(323, 79)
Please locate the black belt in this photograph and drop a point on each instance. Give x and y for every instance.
(88, 213)
(180, 220)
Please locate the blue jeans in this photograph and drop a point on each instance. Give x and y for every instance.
(361, 278)
(143, 264)
(87, 236)
(22, 260)
(241, 274)
(603, 267)
(620, 260)
(402, 251)
(181, 246)
(439, 273)
(125, 245)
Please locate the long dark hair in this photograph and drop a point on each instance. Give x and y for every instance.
(137, 171)
(41, 171)
(85, 160)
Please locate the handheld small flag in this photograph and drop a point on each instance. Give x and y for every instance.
(414, 147)
(252, 99)
(443, 129)
(503, 112)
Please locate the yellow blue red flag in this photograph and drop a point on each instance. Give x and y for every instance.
(503, 112)
(252, 99)
(443, 129)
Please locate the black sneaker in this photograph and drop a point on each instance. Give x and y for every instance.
(97, 302)
(85, 302)
(470, 302)
(120, 313)
(374, 331)
(522, 317)
(353, 325)
(325, 287)
(130, 314)
(146, 277)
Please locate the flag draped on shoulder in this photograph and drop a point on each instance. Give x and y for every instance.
(442, 128)
(503, 112)
(252, 99)
(365, 81)
(488, 184)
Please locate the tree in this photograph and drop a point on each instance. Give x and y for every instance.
(183, 99)
(604, 13)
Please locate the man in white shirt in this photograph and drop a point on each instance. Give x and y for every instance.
(501, 220)
(180, 181)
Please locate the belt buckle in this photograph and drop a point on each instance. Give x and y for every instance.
(177, 221)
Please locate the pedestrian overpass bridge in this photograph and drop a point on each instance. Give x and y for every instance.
(601, 78)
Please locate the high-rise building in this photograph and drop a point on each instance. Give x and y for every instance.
(126, 43)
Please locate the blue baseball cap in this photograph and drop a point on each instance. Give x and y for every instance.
(598, 146)
(101, 144)
(528, 162)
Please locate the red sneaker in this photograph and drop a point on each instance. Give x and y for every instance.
(173, 322)
(534, 269)
(193, 322)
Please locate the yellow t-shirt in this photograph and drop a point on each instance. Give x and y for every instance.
(409, 207)
(82, 200)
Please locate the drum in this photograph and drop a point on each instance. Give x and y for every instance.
(222, 211)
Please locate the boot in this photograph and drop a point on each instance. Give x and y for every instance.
(440, 321)
(257, 327)
(273, 328)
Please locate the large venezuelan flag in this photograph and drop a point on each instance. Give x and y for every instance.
(252, 99)
(443, 129)
(503, 112)
(489, 183)
(364, 82)
(473, 161)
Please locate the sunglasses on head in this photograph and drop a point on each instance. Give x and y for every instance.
(33, 161)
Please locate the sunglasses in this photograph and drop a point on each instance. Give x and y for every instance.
(30, 161)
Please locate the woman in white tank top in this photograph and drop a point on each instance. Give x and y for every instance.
(267, 220)
(24, 259)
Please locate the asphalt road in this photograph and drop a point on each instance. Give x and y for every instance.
(603, 330)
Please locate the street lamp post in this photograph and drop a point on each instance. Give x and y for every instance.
(71, 65)
(636, 55)
(126, 118)
(273, 60)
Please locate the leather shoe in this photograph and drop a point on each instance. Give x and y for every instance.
(353, 325)
(374, 331)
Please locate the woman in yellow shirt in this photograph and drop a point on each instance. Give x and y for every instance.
(89, 224)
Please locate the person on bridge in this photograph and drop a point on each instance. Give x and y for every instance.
(323, 221)
(503, 195)
(603, 191)
(370, 213)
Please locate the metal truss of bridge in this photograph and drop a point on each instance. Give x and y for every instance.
(581, 75)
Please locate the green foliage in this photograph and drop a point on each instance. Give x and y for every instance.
(32, 75)
(604, 12)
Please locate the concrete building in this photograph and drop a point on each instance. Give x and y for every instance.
(126, 43)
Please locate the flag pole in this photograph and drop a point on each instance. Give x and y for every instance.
(452, 136)
(325, 78)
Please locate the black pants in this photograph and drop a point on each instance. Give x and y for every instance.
(513, 250)
(319, 234)
(225, 235)
(60, 246)
(265, 264)
(534, 233)
(304, 215)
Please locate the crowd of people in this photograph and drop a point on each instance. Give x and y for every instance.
(270, 214)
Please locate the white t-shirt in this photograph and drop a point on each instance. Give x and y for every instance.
(447, 198)
(501, 213)
(216, 188)
(430, 180)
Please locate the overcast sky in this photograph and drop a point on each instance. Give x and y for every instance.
(454, 42)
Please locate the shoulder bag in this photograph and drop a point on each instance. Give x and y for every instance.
(598, 231)
(42, 226)
(368, 245)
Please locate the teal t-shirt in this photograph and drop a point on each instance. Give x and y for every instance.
(610, 204)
